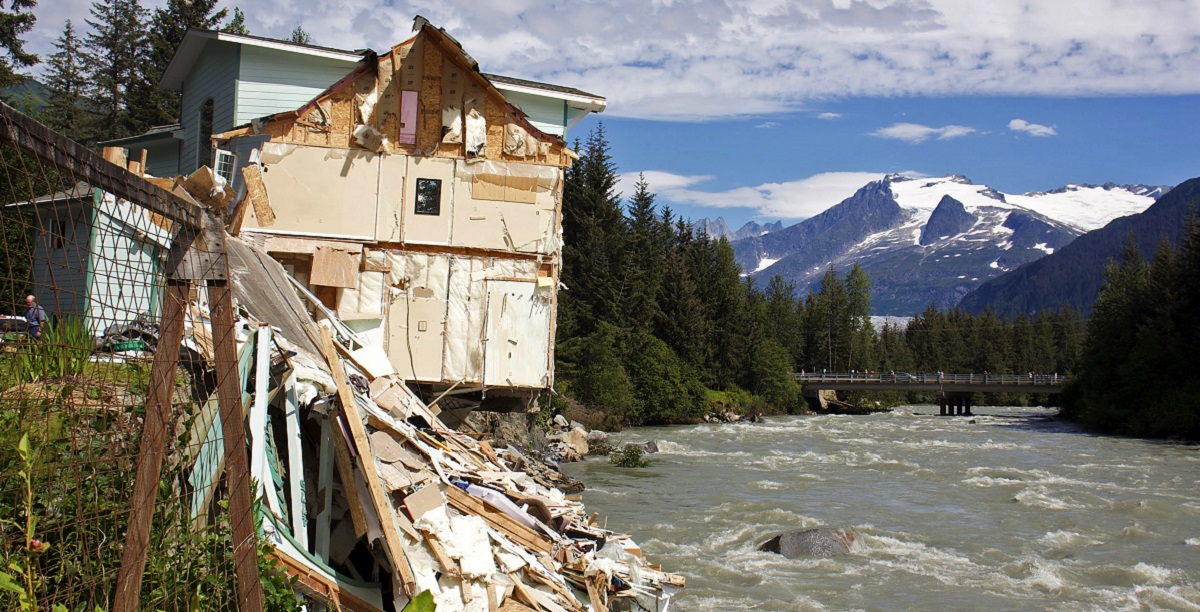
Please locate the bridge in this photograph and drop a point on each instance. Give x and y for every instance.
(954, 390)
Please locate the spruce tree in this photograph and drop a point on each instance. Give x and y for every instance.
(237, 23)
(118, 46)
(299, 36)
(152, 105)
(16, 20)
(644, 264)
(67, 82)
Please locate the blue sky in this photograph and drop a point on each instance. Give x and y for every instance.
(771, 109)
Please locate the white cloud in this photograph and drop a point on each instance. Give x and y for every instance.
(1033, 129)
(914, 133)
(707, 59)
(767, 125)
(829, 116)
(798, 199)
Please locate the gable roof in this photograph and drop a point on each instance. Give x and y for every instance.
(195, 40)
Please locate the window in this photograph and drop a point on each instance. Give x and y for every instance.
(204, 138)
(224, 164)
(429, 197)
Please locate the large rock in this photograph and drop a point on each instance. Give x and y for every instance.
(577, 440)
(819, 542)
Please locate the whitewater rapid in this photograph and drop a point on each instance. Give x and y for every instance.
(1008, 510)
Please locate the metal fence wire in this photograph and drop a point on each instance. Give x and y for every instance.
(111, 496)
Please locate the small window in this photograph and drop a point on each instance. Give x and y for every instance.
(204, 142)
(224, 164)
(429, 196)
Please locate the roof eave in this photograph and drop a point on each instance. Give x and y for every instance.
(193, 45)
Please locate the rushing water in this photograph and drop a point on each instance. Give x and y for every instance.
(1008, 510)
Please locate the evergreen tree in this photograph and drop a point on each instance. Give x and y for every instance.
(299, 36)
(237, 23)
(785, 317)
(594, 237)
(117, 45)
(15, 21)
(644, 265)
(67, 82)
(150, 104)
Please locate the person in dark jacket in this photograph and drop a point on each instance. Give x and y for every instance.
(35, 317)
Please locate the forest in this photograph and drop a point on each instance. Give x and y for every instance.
(1135, 375)
(658, 324)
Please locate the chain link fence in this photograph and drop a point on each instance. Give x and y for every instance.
(111, 494)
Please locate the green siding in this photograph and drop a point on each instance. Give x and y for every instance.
(545, 113)
(214, 76)
(273, 81)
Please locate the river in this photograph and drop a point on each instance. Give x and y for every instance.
(1007, 510)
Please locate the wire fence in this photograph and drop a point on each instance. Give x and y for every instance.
(113, 495)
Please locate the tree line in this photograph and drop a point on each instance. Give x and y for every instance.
(657, 323)
(1136, 376)
(102, 79)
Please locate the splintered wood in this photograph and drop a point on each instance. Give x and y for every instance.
(459, 521)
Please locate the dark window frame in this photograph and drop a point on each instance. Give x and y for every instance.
(427, 198)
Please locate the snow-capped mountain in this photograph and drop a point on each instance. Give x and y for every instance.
(720, 229)
(932, 240)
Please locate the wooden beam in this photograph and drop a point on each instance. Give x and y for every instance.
(497, 519)
(77, 161)
(383, 506)
(151, 450)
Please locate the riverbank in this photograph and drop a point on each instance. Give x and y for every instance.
(1016, 510)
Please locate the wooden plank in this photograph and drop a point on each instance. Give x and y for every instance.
(245, 549)
(321, 586)
(497, 519)
(296, 484)
(256, 192)
(383, 506)
(74, 159)
(150, 452)
(345, 467)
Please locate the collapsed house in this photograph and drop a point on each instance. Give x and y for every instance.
(398, 248)
(369, 499)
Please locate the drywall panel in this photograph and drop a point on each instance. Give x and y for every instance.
(428, 200)
(392, 172)
(464, 320)
(505, 206)
(415, 337)
(319, 191)
(517, 337)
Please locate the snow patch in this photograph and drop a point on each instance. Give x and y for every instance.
(764, 263)
(1041, 246)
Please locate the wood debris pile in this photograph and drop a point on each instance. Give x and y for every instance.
(370, 498)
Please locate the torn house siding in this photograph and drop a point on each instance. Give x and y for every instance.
(453, 194)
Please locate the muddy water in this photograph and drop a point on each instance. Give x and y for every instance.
(1015, 511)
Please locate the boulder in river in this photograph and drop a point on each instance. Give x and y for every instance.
(819, 542)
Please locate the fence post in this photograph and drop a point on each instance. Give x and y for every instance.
(151, 449)
(237, 468)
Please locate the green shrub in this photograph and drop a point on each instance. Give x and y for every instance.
(630, 456)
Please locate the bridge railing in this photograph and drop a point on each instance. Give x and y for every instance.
(930, 378)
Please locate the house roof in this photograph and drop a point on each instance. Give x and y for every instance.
(80, 191)
(194, 41)
(159, 133)
(576, 97)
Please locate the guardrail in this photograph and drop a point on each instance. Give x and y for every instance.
(925, 378)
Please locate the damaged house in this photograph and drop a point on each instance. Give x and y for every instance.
(394, 249)
(416, 197)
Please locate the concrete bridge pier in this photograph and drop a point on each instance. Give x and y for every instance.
(954, 403)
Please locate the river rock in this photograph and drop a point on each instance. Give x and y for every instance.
(560, 421)
(819, 542)
(649, 447)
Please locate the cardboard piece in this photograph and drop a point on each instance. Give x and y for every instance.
(334, 268)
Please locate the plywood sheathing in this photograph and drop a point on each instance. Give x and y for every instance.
(429, 132)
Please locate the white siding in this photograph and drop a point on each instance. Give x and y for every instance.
(126, 250)
(214, 76)
(546, 114)
(273, 81)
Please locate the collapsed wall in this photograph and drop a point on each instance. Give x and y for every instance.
(370, 499)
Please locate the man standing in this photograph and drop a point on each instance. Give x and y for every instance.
(35, 317)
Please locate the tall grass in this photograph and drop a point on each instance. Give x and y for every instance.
(62, 351)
